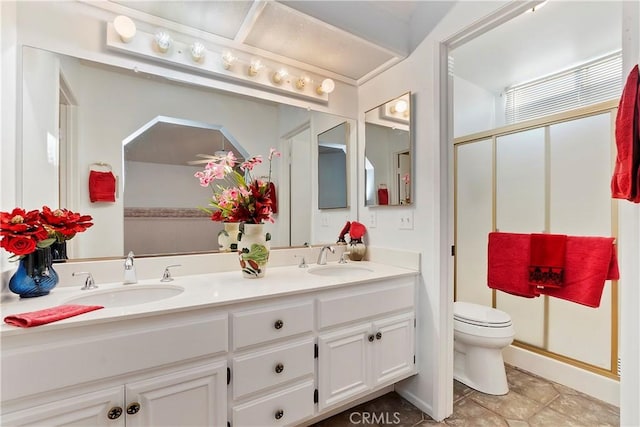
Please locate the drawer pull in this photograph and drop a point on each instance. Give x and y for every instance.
(279, 414)
(133, 408)
(114, 413)
(379, 335)
(279, 368)
(371, 338)
(279, 324)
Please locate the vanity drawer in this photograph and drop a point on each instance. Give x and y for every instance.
(261, 369)
(270, 323)
(348, 306)
(284, 408)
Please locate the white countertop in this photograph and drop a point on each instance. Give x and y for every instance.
(200, 291)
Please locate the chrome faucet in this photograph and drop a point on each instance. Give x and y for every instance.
(129, 270)
(89, 283)
(322, 256)
(166, 276)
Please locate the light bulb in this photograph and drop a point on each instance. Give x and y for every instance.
(255, 67)
(279, 75)
(400, 106)
(228, 59)
(163, 41)
(302, 82)
(327, 86)
(197, 51)
(125, 28)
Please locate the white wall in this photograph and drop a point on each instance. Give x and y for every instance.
(474, 108)
(431, 390)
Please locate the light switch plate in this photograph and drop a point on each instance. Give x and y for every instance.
(406, 221)
(373, 219)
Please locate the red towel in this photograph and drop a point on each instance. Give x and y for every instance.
(508, 264)
(102, 186)
(626, 175)
(589, 261)
(546, 260)
(48, 315)
(383, 196)
(272, 196)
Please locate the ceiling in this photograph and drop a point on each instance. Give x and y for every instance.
(558, 36)
(349, 40)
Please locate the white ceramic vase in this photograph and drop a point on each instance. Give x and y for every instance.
(228, 238)
(253, 250)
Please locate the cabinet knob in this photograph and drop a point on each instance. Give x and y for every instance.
(279, 414)
(279, 324)
(371, 338)
(133, 408)
(378, 335)
(279, 368)
(114, 413)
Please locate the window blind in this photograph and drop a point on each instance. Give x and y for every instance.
(596, 81)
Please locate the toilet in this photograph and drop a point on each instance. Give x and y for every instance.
(479, 334)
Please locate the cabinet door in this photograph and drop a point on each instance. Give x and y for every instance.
(393, 351)
(90, 409)
(192, 397)
(343, 360)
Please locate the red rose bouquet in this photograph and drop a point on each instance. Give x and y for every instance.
(23, 232)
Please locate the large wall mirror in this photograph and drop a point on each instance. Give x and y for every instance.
(77, 115)
(388, 153)
(333, 167)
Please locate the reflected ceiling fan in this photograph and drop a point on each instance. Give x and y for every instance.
(206, 158)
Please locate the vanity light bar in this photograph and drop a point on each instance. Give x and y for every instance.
(224, 64)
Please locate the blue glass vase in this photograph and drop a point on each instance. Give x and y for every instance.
(35, 275)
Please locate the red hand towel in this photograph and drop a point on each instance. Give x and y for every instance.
(48, 315)
(272, 196)
(383, 196)
(546, 260)
(102, 186)
(508, 264)
(590, 261)
(624, 183)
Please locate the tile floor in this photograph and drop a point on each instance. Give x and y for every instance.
(531, 402)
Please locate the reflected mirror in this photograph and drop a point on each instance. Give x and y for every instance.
(332, 167)
(99, 107)
(388, 153)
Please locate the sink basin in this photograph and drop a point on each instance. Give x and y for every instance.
(127, 295)
(340, 270)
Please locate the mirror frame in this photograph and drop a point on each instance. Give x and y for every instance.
(388, 116)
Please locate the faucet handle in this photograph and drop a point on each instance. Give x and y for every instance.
(166, 276)
(343, 259)
(89, 283)
(303, 262)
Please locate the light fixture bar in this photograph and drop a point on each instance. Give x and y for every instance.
(214, 63)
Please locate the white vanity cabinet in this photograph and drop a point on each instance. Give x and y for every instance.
(253, 361)
(161, 370)
(191, 397)
(369, 343)
(272, 366)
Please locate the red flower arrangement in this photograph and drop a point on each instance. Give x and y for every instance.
(23, 232)
(243, 198)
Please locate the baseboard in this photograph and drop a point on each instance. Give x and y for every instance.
(415, 401)
(598, 386)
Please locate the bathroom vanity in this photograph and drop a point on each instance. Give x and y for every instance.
(225, 351)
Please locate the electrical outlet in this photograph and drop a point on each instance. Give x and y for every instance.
(324, 221)
(373, 219)
(406, 221)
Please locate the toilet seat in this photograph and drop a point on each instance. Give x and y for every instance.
(479, 315)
